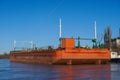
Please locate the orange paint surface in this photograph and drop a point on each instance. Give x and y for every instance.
(68, 43)
(68, 54)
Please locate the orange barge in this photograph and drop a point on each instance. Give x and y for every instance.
(66, 54)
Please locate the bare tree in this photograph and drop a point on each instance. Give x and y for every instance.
(107, 37)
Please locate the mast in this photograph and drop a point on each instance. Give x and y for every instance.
(60, 28)
(95, 33)
(95, 36)
(60, 35)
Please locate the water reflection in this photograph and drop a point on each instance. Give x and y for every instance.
(83, 72)
(23, 71)
(115, 71)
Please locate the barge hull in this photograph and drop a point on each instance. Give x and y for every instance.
(79, 56)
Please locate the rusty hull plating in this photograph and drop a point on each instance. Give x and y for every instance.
(67, 54)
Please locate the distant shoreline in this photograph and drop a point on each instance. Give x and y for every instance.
(4, 56)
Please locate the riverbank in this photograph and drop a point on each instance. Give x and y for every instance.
(4, 56)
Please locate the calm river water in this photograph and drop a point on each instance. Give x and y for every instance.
(22, 71)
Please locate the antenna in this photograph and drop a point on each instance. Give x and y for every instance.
(95, 34)
(60, 28)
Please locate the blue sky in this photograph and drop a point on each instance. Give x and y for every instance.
(38, 20)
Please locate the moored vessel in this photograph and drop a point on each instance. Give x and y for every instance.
(66, 54)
